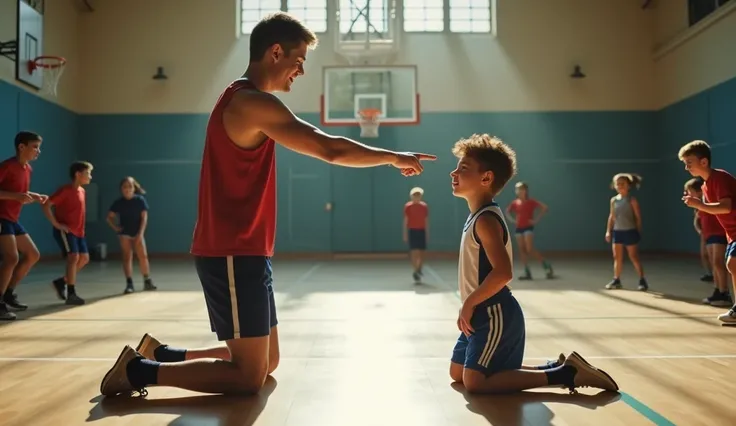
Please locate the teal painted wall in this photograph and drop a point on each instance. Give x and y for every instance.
(20, 110)
(567, 158)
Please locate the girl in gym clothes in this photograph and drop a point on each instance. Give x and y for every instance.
(624, 228)
(128, 216)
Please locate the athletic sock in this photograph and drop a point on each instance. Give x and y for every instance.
(70, 289)
(165, 353)
(129, 281)
(564, 375)
(142, 372)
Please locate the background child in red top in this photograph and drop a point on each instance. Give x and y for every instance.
(68, 220)
(416, 229)
(521, 211)
(713, 238)
(719, 192)
(15, 180)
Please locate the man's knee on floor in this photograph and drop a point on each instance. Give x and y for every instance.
(250, 378)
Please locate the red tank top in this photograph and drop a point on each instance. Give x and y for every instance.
(236, 213)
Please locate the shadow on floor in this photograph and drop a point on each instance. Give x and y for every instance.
(219, 410)
(528, 408)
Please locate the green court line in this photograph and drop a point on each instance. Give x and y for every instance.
(645, 411)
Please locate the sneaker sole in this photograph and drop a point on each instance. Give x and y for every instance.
(580, 357)
(115, 368)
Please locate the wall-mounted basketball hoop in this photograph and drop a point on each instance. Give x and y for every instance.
(52, 68)
(370, 120)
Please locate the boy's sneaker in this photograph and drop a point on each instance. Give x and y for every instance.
(116, 380)
(615, 284)
(11, 300)
(147, 346)
(5, 314)
(74, 300)
(59, 287)
(729, 317)
(589, 376)
(129, 288)
(708, 278)
(643, 285)
(148, 285)
(718, 298)
(527, 274)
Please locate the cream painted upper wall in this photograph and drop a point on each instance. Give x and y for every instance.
(698, 63)
(526, 68)
(60, 39)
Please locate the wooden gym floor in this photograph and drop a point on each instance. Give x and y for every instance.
(361, 345)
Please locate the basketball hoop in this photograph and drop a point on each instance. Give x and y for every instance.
(52, 68)
(369, 120)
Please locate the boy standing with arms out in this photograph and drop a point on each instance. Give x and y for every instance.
(68, 220)
(416, 230)
(15, 181)
(719, 193)
(488, 354)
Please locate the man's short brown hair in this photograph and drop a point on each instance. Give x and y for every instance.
(491, 154)
(279, 28)
(700, 149)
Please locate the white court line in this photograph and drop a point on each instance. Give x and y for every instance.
(305, 276)
(632, 357)
(439, 279)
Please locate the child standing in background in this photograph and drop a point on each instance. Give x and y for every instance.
(719, 192)
(68, 219)
(128, 216)
(713, 237)
(416, 230)
(624, 228)
(521, 211)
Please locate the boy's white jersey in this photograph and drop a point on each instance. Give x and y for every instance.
(474, 265)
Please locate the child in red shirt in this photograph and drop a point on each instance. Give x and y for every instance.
(521, 211)
(15, 182)
(713, 238)
(416, 230)
(719, 192)
(68, 219)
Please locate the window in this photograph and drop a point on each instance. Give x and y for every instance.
(353, 17)
(253, 10)
(424, 15)
(470, 16)
(699, 9)
(313, 13)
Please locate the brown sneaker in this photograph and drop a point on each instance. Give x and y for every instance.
(589, 376)
(147, 345)
(116, 381)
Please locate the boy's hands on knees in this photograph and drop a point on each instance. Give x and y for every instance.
(463, 319)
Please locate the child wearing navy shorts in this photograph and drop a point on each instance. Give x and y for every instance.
(623, 229)
(488, 354)
(128, 217)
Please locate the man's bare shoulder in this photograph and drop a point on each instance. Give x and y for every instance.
(254, 99)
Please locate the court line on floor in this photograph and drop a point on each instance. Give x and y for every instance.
(603, 357)
(439, 279)
(644, 410)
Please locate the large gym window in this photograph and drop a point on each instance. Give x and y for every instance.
(253, 11)
(313, 13)
(353, 17)
(424, 15)
(470, 16)
(699, 9)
